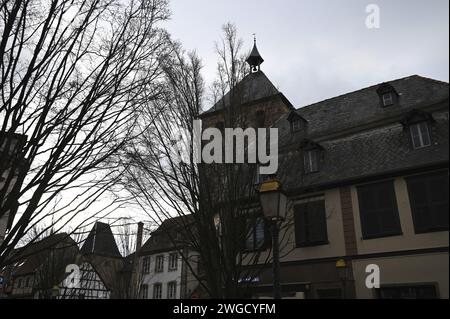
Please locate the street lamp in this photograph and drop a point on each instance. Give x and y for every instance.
(273, 203)
(342, 269)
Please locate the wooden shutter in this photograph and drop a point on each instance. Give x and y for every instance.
(310, 223)
(300, 224)
(428, 195)
(317, 222)
(378, 210)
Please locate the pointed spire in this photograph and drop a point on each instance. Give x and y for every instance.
(255, 60)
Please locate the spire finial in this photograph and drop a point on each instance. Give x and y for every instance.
(255, 59)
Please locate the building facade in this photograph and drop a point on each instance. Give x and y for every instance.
(163, 273)
(366, 174)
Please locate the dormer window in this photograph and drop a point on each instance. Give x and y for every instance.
(418, 124)
(312, 153)
(296, 125)
(310, 160)
(297, 122)
(388, 99)
(420, 135)
(387, 94)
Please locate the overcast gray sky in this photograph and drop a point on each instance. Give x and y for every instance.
(317, 49)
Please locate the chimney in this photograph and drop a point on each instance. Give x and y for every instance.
(140, 232)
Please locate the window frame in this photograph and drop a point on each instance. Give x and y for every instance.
(296, 125)
(144, 291)
(171, 266)
(308, 221)
(159, 263)
(420, 135)
(251, 229)
(146, 264)
(312, 161)
(172, 284)
(157, 290)
(363, 217)
(421, 229)
(387, 102)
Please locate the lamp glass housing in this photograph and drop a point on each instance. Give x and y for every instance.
(273, 201)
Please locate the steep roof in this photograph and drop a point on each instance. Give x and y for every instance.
(168, 233)
(252, 87)
(101, 241)
(360, 138)
(362, 106)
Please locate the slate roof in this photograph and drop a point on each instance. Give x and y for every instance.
(365, 151)
(162, 239)
(252, 87)
(100, 241)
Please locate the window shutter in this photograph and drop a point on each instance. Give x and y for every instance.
(369, 223)
(418, 195)
(428, 195)
(439, 196)
(378, 210)
(318, 224)
(300, 224)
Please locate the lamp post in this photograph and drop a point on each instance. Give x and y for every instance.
(342, 269)
(273, 203)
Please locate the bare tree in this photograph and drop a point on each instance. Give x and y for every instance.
(216, 203)
(74, 75)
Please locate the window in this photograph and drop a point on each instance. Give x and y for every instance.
(310, 223)
(159, 264)
(173, 261)
(19, 283)
(144, 292)
(296, 125)
(146, 265)
(428, 195)
(387, 95)
(172, 290)
(255, 238)
(157, 291)
(27, 282)
(420, 135)
(297, 122)
(378, 210)
(310, 161)
(387, 99)
(408, 292)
